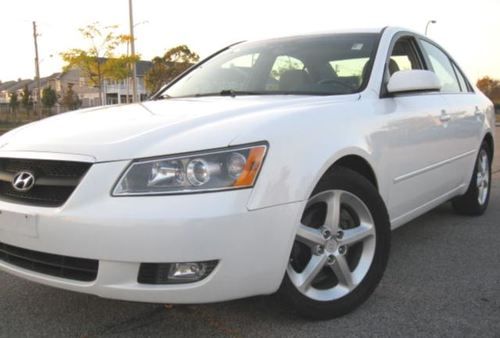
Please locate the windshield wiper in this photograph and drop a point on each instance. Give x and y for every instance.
(232, 93)
(228, 92)
(161, 97)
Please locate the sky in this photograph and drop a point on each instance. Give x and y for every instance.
(468, 30)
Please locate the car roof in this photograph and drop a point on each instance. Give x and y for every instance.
(369, 30)
(390, 30)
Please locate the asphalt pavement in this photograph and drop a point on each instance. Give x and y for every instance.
(443, 279)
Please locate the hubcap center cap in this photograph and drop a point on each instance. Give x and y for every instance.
(331, 246)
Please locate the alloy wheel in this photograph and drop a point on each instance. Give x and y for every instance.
(483, 177)
(334, 246)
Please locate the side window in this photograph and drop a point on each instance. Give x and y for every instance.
(404, 56)
(442, 67)
(461, 79)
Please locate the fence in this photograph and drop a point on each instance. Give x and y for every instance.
(10, 119)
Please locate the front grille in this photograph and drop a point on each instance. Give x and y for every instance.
(49, 168)
(80, 269)
(55, 181)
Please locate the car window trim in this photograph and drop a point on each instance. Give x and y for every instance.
(419, 54)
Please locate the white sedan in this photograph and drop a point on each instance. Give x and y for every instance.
(275, 165)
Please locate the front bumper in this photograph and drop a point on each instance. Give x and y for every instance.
(252, 247)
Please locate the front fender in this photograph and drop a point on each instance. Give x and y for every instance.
(302, 146)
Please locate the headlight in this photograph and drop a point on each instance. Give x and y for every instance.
(231, 168)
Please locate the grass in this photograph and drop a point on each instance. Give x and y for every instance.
(10, 121)
(6, 126)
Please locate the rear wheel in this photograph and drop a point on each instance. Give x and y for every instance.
(475, 200)
(341, 247)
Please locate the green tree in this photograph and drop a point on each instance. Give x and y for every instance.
(13, 101)
(70, 99)
(13, 104)
(100, 61)
(166, 68)
(49, 97)
(490, 87)
(26, 99)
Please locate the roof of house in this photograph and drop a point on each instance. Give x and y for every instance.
(6, 85)
(34, 84)
(142, 67)
(43, 81)
(19, 85)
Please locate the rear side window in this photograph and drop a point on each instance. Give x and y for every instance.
(464, 87)
(443, 68)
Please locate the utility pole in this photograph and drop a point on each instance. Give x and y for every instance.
(37, 69)
(132, 50)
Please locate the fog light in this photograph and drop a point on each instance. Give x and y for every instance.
(175, 273)
(188, 272)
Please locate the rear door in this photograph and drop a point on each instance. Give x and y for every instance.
(464, 109)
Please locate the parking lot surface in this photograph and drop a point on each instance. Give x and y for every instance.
(443, 279)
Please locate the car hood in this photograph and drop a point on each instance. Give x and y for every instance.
(154, 128)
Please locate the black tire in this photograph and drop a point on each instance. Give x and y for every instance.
(469, 203)
(347, 180)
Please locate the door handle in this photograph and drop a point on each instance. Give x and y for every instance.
(444, 117)
(478, 111)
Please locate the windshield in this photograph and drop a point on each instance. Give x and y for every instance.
(316, 65)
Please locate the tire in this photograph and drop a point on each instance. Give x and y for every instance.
(333, 278)
(475, 201)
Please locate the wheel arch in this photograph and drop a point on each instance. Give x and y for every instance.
(488, 138)
(357, 164)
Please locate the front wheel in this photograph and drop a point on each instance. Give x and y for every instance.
(341, 247)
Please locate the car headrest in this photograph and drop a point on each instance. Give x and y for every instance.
(393, 66)
(293, 79)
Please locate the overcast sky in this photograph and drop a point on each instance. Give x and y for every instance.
(469, 30)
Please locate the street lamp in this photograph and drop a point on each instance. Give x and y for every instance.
(427, 26)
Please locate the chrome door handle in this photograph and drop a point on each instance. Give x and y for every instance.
(444, 117)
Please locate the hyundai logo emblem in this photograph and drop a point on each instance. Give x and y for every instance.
(23, 181)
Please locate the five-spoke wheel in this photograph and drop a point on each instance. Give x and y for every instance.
(330, 259)
(340, 249)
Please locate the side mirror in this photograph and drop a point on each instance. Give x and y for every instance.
(407, 81)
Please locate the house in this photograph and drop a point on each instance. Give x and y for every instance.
(45, 82)
(120, 91)
(10, 87)
(88, 95)
(4, 91)
(113, 91)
